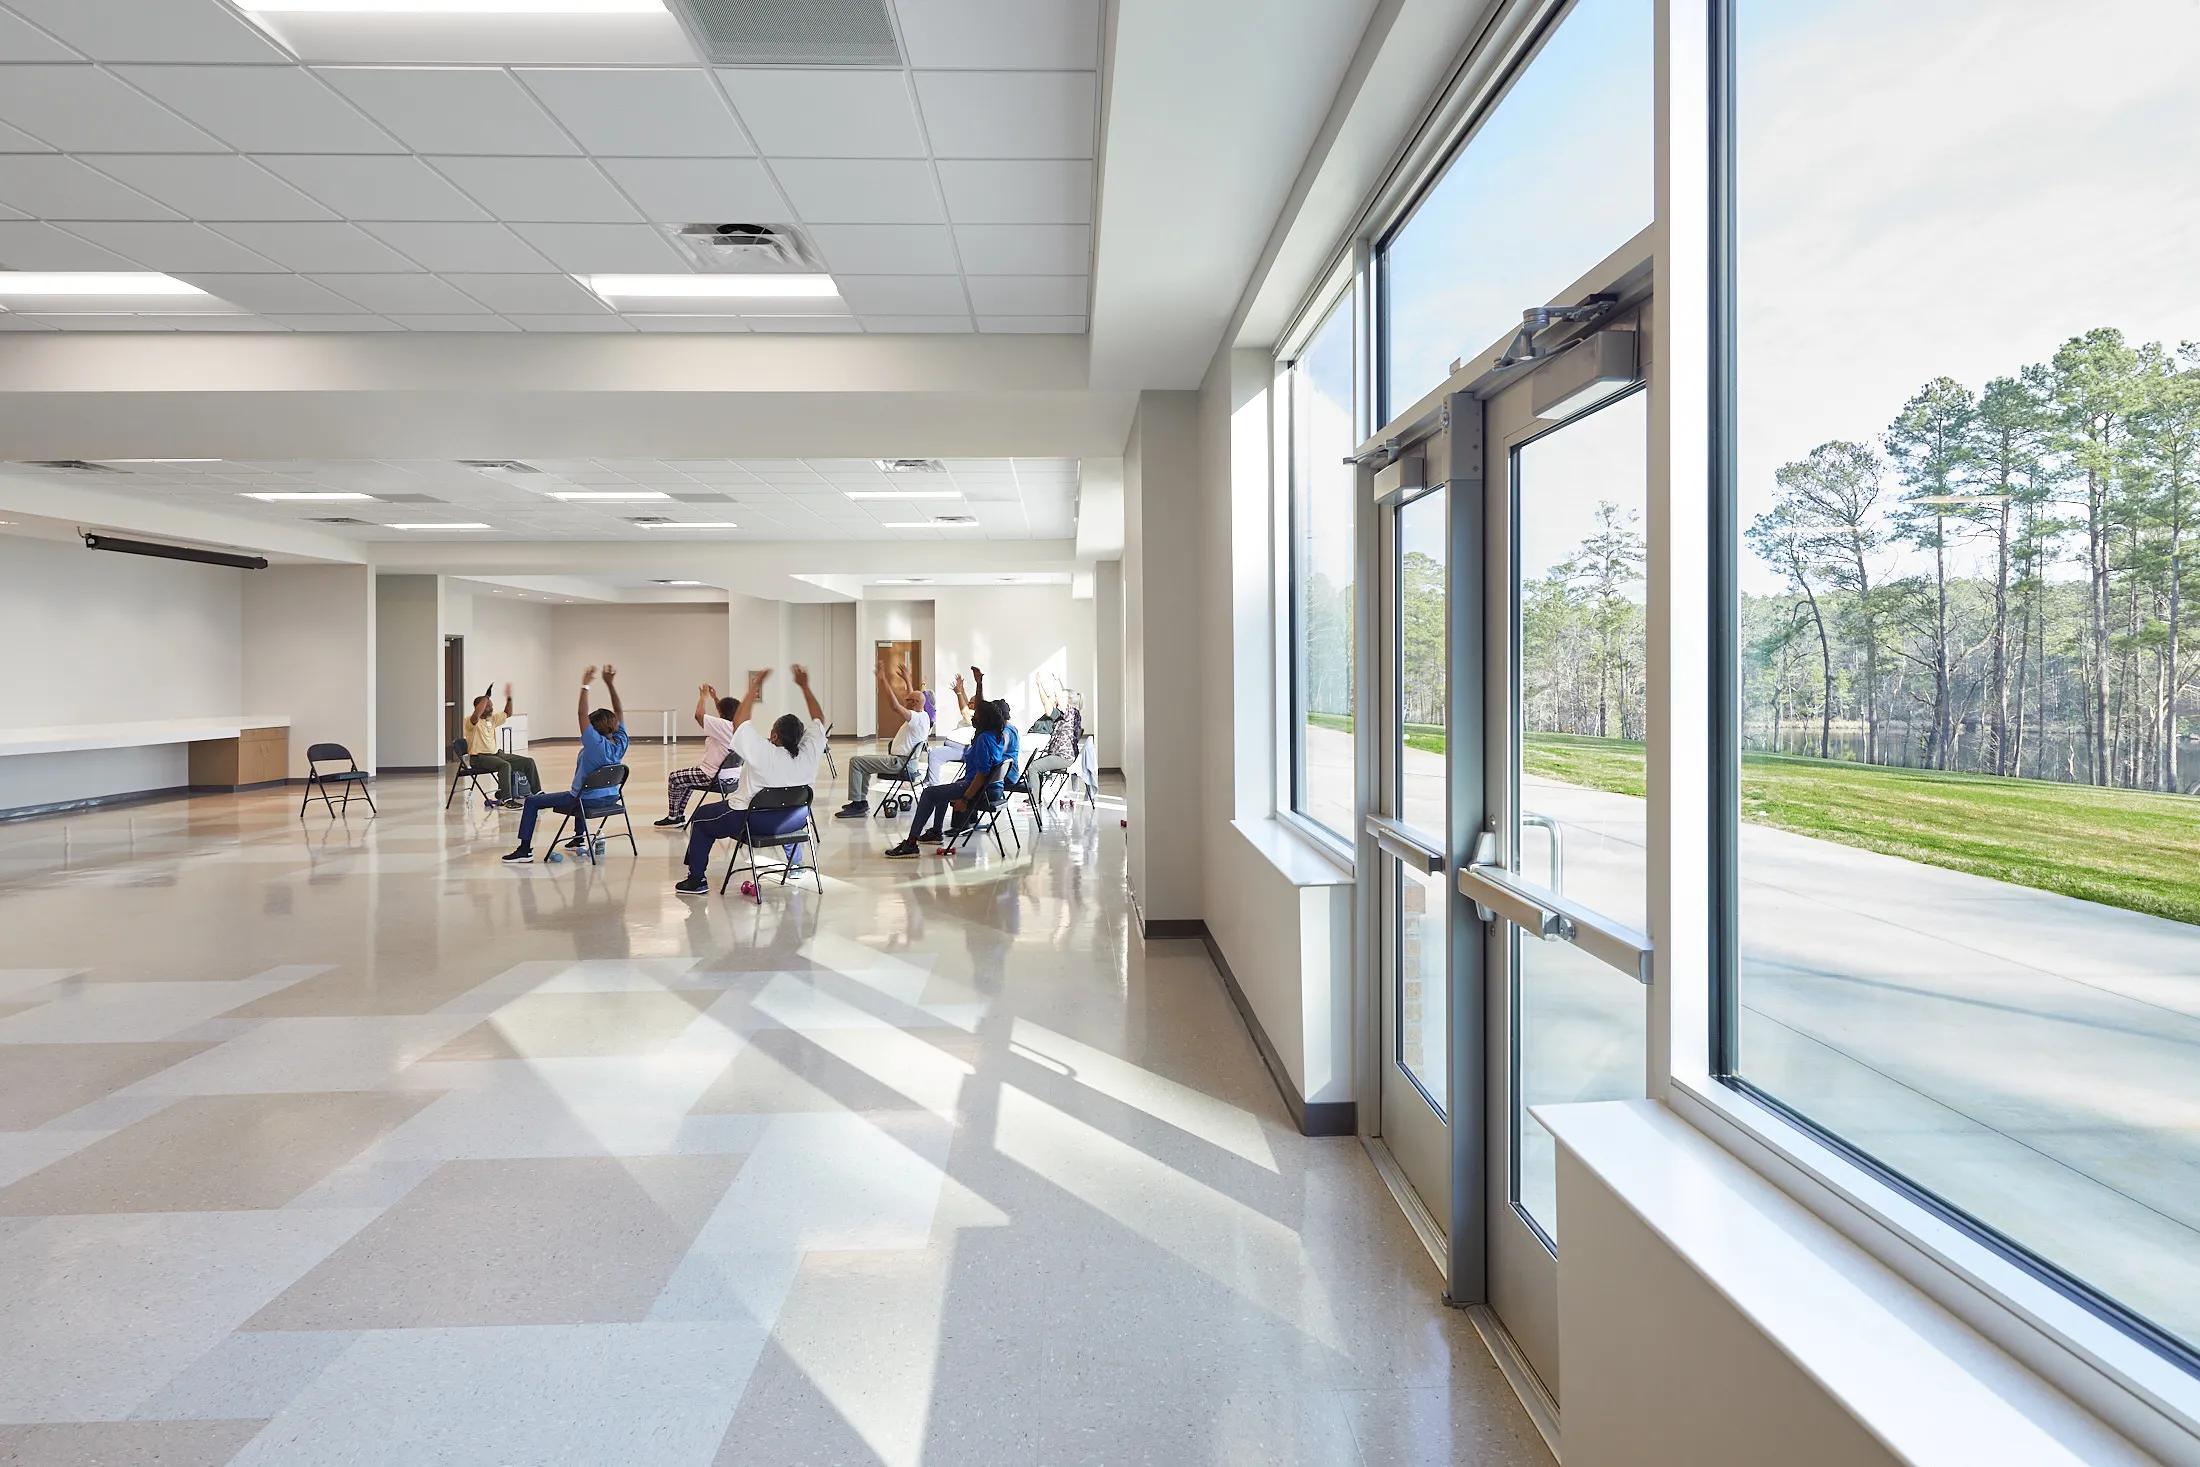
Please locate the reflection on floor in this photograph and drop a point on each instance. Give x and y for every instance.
(337, 1141)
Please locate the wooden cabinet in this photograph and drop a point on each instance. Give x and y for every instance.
(255, 756)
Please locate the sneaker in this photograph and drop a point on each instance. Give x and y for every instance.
(522, 854)
(906, 848)
(693, 886)
(944, 851)
(854, 810)
(576, 843)
(674, 821)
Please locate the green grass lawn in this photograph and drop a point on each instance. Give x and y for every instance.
(1427, 737)
(2123, 848)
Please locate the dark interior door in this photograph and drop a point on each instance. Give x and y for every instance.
(907, 655)
(454, 688)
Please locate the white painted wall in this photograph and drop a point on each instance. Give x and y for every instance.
(309, 652)
(662, 652)
(821, 636)
(511, 641)
(1104, 713)
(1162, 675)
(408, 672)
(1014, 633)
(94, 637)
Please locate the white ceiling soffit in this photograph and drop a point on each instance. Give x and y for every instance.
(1211, 107)
(1412, 49)
(452, 173)
(1100, 510)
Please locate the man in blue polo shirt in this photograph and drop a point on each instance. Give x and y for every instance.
(603, 742)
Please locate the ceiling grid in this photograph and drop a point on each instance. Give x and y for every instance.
(952, 193)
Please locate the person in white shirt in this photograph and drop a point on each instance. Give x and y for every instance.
(902, 753)
(789, 757)
(682, 784)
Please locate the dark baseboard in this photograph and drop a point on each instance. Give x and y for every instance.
(1323, 1118)
(96, 802)
(383, 770)
(239, 789)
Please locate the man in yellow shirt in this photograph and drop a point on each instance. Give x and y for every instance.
(481, 747)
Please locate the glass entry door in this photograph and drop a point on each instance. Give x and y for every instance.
(1557, 872)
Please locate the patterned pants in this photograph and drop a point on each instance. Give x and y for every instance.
(680, 785)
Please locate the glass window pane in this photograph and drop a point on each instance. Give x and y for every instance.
(1556, 178)
(1322, 573)
(1422, 675)
(1424, 990)
(1580, 493)
(1969, 857)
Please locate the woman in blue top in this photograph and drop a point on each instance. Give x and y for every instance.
(603, 742)
(988, 748)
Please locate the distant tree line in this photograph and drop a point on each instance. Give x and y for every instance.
(2038, 626)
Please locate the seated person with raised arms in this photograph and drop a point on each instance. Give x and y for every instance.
(482, 752)
(1063, 739)
(681, 784)
(908, 743)
(987, 749)
(603, 742)
(788, 758)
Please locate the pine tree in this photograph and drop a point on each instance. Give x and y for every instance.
(1930, 443)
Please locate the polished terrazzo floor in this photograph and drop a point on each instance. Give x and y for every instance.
(336, 1141)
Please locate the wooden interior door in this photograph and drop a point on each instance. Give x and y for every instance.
(908, 655)
(455, 700)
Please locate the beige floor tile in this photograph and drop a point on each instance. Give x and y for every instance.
(582, 1240)
(126, 1443)
(48, 1080)
(217, 1153)
(580, 1025)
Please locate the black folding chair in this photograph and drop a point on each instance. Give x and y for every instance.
(610, 777)
(351, 774)
(466, 769)
(986, 815)
(902, 785)
(778, 817)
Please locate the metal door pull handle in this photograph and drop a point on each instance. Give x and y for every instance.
(1554, 919)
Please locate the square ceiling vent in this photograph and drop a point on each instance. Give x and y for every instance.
(793, 32)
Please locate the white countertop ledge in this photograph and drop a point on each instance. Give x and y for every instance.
(1932, 1391)
(69, 737)
(1296, 857)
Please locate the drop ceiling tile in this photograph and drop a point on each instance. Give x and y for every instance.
(802, 324)
(540, 190)
(699, 190)
(86, 322)
(588, 248)
(272, 295)
(376, 187)
(422, 295)
(27, 245)
(640, 113)
(212, 186)
(1028, 295)
(457, 109)
(263, 109)
(8, 213)
(213, 323)
(860, 190)
(86, 109)
(1032, 325)
(903, 295)
(797, 113)
(152, 30)
(15, 140)
(174, 246)
(22, 41)
(309, 322)
(672, 324)
(454, 323)
(570, 323)
(1042, 35)
(530, 295)
(1017, 191)
(886, 249)
(49, 186)
(915, 325)
(1025, 249)
(314, 247)
(440, 247)
(1010, 114)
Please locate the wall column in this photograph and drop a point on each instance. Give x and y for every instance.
(1162, 678)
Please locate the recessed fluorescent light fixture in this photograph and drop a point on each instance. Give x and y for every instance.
(302, 495)
(903, 494)
(612, 496)
(686, 525)
(467, 526)
(454, 7)
(90, 285)
(676, 583)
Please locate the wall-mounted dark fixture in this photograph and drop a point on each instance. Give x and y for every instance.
(173, 552)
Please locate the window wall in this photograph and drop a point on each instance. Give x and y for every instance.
(1323, 769)
(1551, 181)
(1963, 864)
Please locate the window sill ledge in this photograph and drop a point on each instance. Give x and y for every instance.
(1297, 857)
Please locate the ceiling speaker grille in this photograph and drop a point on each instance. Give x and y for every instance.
(794, 32)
